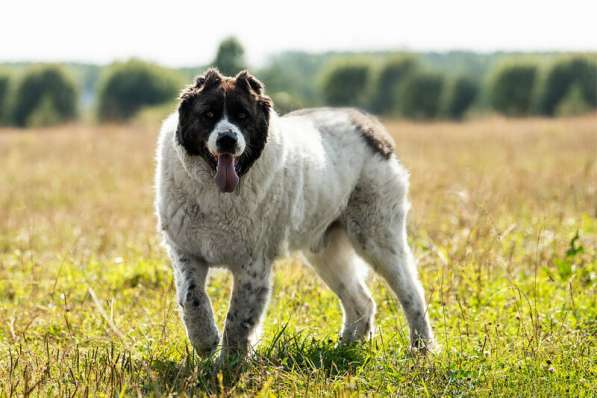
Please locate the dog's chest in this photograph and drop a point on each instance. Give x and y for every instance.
(218, 234)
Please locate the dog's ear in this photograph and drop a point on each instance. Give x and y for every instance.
(249, 82)
(265, 103)
(253, 86)
(186, 95)
(209, 79)
(259, 131)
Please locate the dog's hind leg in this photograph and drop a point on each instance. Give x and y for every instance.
(376, 225)
(341, 269)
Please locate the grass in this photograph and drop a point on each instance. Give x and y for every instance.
(504, 226)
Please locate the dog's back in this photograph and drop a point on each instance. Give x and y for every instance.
(340, 122)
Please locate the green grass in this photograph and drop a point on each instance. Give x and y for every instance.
(504, 226)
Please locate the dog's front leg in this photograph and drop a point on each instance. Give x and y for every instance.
(190, 274)
(250, 294)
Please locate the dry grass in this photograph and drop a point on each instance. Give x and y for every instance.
(87, 301)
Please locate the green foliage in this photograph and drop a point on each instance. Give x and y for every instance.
(47, 90)
(346, 83)
(297, 73)
(420, 96)
(230, 58)
(127, 87)
(562, 77)
(460, 63)
(4, 96)
(573, 103)
(566, 265)
(459, 94)
(387, 85)
(284, 102)
(511, 88)
(45, 114)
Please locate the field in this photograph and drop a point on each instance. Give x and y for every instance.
(504, 226)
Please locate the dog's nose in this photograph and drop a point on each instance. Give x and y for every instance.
(226, 142)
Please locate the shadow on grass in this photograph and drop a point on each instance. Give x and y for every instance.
(295, 352)
(286, 353)
(192, 374)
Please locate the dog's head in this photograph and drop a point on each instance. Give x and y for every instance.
(225, 121)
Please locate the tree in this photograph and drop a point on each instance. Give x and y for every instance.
(285, 102)
(345, 83)
(295, 73)
(573, 103)
(230, 58)
(4, 90)
(46, 89)
(387, 85)
(512, 87)
(566, 73)
(125, 88)
(420, 96)
(459, 95)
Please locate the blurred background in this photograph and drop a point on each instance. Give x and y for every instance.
(116, 61)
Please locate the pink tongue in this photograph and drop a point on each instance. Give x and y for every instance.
(226, 177)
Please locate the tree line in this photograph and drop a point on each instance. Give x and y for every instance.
(400, 87)
(393, 85)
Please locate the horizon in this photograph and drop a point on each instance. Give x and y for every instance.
(158, 30)
(309, 53)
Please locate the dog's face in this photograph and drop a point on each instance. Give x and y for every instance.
(225, 121)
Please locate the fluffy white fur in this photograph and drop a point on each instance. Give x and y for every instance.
(317, 188)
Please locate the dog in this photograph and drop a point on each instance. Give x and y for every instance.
(238, 186)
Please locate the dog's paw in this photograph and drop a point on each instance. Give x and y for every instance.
(425, 347)
(359, 334)
(205, 347)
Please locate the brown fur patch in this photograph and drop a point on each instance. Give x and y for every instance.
(375, 134)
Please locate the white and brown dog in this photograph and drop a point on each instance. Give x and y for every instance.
(238, 186)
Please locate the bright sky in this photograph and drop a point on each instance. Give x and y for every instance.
(178, 32)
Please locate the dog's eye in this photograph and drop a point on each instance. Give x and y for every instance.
(209, 115)
(241, 115)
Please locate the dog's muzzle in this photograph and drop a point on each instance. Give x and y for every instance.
(227, 142)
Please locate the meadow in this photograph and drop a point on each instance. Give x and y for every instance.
(503, 224)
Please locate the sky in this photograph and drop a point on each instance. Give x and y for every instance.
(185, 33)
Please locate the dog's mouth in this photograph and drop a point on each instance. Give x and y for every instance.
(226, 173)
